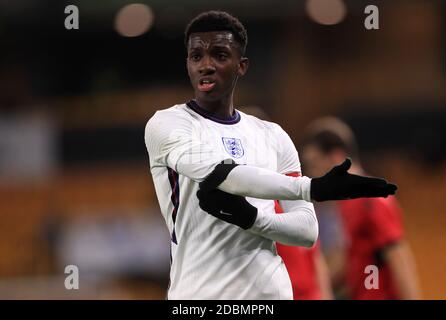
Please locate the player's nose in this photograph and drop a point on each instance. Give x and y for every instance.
(206, 66)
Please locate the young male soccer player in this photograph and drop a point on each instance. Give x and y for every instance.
(206, 157)
(372, 227)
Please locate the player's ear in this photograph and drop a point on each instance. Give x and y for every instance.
(243, 66)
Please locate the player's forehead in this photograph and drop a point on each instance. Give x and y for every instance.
(206, 40)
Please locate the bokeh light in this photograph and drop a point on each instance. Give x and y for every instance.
(134, 20)
(326, 12)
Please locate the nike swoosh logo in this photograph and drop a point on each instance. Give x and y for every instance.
(225, 213)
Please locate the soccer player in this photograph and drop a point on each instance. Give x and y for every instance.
(217, 172)
(373, 229)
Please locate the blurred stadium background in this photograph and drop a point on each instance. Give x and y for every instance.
(75, 186)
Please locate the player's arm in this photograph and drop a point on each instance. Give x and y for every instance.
(387, 234)
(402, 266)
(323, 276)
(296, 226)
(261, 183)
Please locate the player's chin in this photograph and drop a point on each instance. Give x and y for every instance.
(212, 95)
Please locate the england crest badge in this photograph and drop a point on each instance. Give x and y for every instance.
(233, 146)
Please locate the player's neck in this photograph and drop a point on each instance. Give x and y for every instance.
(223, 108)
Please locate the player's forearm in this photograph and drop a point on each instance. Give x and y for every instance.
(337, 184)
(323, 277)
(402, 267)
(261, 183)
(297, 228)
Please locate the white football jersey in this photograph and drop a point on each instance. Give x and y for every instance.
(210, 258)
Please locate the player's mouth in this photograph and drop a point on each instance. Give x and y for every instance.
(206, 85)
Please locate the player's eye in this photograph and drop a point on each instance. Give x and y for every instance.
(222, 56)
(195, 57)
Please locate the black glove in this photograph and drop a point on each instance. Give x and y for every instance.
(338, 184)
(228, 207)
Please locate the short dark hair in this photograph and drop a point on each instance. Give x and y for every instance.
(329, 134)
(218, 21)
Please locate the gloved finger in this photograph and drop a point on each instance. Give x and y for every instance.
(205, 206)
(343, 167)
(202, 194)
(216, 197)
(380, 187)
(392, 188)
(364, 182)
(375, 192)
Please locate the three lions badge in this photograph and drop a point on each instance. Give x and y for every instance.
(233, 146)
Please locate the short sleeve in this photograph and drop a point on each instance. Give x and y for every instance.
(172, 140)
(287, 156)
(385, 221)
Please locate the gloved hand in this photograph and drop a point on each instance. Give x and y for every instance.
(228, 207)
(338, 184)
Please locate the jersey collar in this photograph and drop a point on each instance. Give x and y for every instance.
(235, 118)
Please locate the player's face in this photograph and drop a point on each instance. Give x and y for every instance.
(214, 63)
(315, 162)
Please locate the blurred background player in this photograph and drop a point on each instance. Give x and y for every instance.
(306, 267)
(373, 233)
